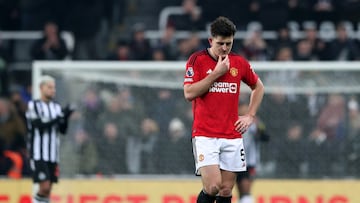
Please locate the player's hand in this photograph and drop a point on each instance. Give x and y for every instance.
(68, 110)
(222, 65)
(243, 123)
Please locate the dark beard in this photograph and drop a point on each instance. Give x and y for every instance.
(49, 98)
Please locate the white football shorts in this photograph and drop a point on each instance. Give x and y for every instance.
(229, 154)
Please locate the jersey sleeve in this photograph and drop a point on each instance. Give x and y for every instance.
(250, 77)
(31, 112)
(192, 70)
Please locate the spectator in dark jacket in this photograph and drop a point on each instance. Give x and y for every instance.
(51, 46)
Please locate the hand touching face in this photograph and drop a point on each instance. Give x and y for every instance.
(222, 65)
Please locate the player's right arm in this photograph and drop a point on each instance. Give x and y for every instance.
(196, 89)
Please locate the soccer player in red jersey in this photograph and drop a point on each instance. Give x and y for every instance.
(212, 83)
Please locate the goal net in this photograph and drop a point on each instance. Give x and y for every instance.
(132, 118)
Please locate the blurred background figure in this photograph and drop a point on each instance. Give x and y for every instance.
(343, 48)
(191, 19)
(252, 137)
(158, 55)
(87, 153)
(320, 154)
(51, 46)
(163, 109)
(79, 154)
(254, 47)
(109, 144)
(290, 159)
(13, 137)
(304, 51)
(353, 138)
(319, 46)
(139, 45)
(175, 150)
(12, 128)
(112, 139)
(168, 42)
(332, 117)
(122, 52)
(149, 138)
(11, 163)
(92, 105)
(283, 40)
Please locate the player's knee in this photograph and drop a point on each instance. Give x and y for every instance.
(212, 189)
(225, 191)
(45, 190)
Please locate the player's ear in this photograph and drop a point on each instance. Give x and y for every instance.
(210, 40)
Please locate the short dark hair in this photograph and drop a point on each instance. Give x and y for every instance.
(222, 26)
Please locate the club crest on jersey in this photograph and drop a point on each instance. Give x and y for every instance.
(234, 71)
(190, 72)
(201, 157)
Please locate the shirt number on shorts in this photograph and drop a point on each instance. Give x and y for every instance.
(242, 154)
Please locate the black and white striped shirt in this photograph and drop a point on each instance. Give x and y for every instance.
(44, 123)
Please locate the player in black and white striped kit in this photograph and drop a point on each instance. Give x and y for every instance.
(45, 119)
(256, 133)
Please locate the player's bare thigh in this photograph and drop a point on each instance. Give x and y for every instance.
(211, 179)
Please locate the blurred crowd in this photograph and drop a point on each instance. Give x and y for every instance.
(125, 130)
(142, 130)
(116, 30)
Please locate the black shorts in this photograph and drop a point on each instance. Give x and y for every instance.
(43, 171)
(248, 174)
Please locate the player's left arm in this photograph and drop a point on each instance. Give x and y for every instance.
(257, 93)
(64, 119)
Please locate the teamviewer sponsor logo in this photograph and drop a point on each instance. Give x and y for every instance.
(224, 87)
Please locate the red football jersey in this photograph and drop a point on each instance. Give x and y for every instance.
(216, 112)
